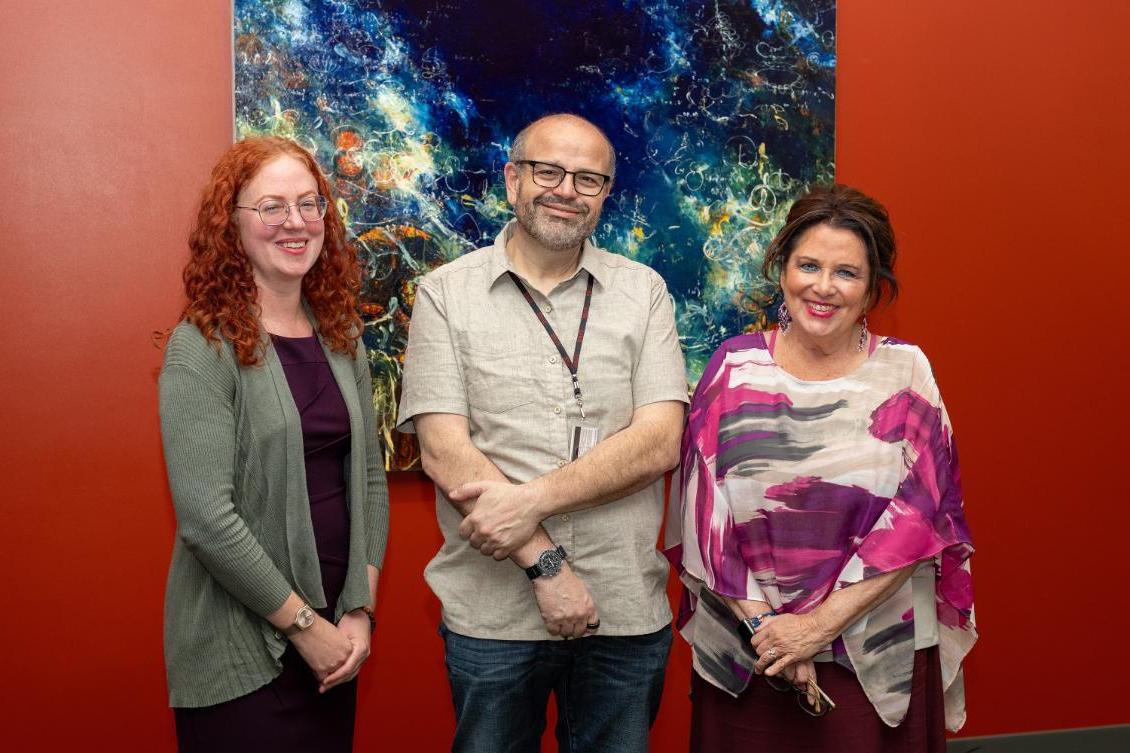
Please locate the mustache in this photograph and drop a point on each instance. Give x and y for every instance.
(575, 206)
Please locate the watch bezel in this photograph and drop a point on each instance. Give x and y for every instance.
(303, 620)
(549, 562)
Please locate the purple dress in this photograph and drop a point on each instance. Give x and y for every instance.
(288, 714)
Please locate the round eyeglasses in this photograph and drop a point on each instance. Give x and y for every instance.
(274, 212)
(549, 175)
(818, 708)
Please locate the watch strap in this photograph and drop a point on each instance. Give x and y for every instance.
(748, 626)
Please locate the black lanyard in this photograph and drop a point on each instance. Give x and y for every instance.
(571, 363)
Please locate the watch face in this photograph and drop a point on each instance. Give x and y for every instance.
(550, 562)
(304, 618)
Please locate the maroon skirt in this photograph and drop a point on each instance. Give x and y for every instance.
(763, 719)
(288, 715)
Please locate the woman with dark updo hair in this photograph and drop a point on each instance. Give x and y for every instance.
(279, 490)
(818, 523)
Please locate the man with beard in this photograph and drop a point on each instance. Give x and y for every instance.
(548, 458)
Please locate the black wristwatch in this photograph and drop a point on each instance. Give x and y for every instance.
(548, 564)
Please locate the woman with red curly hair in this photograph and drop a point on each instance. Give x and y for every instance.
(270, 444)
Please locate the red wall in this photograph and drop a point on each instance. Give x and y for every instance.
(995, 133)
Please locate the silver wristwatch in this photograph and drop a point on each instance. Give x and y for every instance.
(303, 619)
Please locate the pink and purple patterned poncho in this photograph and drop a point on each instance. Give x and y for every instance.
(790, 489)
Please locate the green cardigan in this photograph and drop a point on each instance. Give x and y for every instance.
(233, 448)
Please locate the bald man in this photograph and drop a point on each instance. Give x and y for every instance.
(545, 382)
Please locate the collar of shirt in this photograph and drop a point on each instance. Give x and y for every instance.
(500, 261)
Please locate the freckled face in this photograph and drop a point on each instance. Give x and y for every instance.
(825, 282)
(280, 255)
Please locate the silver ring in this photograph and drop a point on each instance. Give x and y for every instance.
(593, 625)
(772, 653)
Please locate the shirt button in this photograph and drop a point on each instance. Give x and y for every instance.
(565, 518)
(547, 308)
(561, 463)
(557, 409)
(553, 359)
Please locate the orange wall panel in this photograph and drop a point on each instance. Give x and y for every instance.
(996, 134)
(112, 115)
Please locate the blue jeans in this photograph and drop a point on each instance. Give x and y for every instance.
(607, 690)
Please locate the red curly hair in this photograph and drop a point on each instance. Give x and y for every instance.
(223, 300)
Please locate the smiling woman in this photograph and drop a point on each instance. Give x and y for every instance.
(825, 281)
(834, 260)
(281, 229)
(282, 508)
(221, 280)
(820, 528)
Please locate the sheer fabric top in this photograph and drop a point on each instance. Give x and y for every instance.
(790, 489)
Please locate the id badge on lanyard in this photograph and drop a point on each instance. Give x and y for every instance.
(582, 436)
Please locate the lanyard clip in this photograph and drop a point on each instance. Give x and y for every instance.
(577, 395)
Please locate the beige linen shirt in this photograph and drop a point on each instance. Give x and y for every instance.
(477, 350)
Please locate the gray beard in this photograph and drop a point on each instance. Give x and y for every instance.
(552, 233)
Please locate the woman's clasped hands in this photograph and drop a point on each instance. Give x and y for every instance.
(335, 653)
(784, 640)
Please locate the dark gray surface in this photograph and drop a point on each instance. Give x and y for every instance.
(1112, 739)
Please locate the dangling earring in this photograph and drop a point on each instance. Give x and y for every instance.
(863, 334)
(783, 318)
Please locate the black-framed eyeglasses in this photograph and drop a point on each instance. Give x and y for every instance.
(274, 212)
(549, 175)
(822, 704)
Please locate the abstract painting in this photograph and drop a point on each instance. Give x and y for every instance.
(721, 112)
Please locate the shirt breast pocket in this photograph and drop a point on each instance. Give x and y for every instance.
(497, 375)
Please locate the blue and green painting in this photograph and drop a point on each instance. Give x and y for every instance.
(721, 112)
